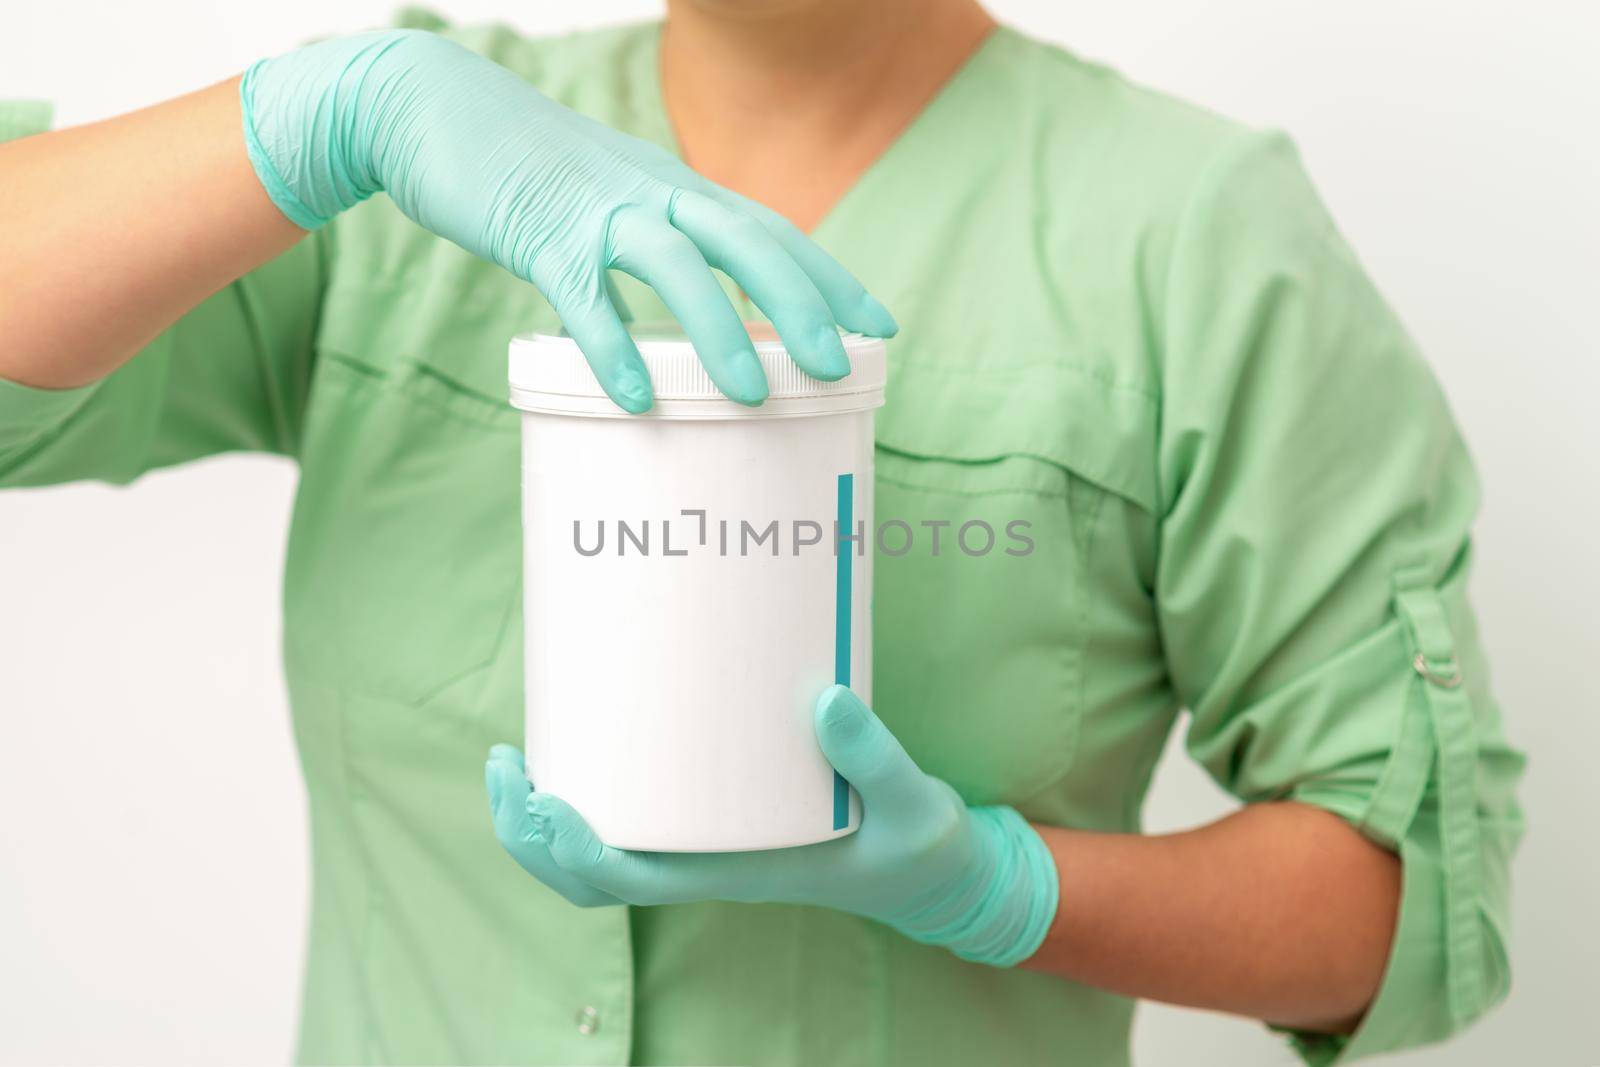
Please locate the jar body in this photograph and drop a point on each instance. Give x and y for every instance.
(691, 586)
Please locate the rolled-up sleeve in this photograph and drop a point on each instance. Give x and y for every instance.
(231, 374)
(23, 118)
(1317, 501)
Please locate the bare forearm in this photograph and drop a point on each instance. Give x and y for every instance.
(114, 230)
(1280, 912)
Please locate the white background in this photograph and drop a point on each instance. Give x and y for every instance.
(152, 828)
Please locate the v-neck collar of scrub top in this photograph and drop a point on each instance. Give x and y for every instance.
(656, 123)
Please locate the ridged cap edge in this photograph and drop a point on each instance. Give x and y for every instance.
(550, 364)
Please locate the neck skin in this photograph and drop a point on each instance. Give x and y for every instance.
(790, 101)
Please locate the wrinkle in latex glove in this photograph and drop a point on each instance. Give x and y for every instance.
(977, 880)
(470, 151)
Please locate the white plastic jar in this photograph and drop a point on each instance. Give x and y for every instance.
(694, 578)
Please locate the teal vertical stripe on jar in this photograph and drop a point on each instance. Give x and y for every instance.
(841, 624)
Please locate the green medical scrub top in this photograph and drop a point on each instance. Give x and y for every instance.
(1126, 322)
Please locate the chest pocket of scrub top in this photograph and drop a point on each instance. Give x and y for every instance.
(405, 554)
(978, 648)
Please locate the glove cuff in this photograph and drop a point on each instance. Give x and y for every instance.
(266, 170)
(1012, 899)
(314, 120)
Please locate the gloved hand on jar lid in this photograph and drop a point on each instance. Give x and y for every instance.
(470, 151)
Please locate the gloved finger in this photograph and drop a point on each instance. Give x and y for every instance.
(507, 754)
(636, 877)
(608, 348)
(739, 246)
(508, 796)
(646, 246)
(867, 755)
(853, 307)
(508, 790)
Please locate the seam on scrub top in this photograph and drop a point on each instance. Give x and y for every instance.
(272, 396)
(429, 388)
(498, 407)
(882, 948)
(489, 660)
(995, 459)
(306, 369)
(1075, 656)
(1078, 655)
(1102, 476)
(1235, 142)
(1078, 615)
(474, 409)
(965, 370)
(369, 691)
(309, 660)
(1052, 494)
(152, 428)
(338, 355)
(17, 458)
(432, 693)
(354, 799)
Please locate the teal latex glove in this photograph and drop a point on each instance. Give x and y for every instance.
(473, 153)
(977, 880)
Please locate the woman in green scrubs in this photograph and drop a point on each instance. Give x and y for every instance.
(1122, 319)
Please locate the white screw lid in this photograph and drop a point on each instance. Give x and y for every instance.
(548, 373)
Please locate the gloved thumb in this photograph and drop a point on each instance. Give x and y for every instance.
(863, 750)
(508, 791)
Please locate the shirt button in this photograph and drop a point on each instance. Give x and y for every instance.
(588, 1021)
